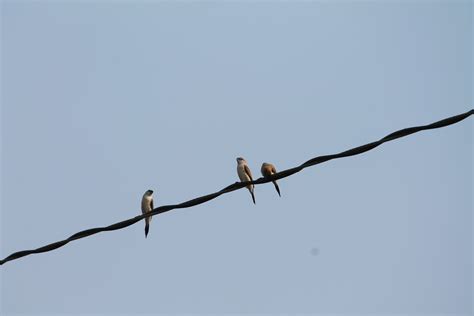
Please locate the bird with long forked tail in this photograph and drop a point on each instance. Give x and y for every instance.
(243, 171)
(267, 170)
(147, 206)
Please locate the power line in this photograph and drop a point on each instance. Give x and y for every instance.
(239, 185)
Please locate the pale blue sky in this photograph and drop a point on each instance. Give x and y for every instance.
(102, 100)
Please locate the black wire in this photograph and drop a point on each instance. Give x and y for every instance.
(239, 185)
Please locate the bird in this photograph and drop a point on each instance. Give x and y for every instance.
(147, 206)
(243, 171)
(267, 170)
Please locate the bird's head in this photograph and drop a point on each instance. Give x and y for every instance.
(240, 159)
(149, 192)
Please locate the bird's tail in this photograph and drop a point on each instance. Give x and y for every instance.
(253, 195)
(147, 228)
(276, 187)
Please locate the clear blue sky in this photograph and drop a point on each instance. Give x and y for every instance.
(102, 100)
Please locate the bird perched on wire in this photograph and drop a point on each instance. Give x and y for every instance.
(243, 171)
(267, 170)
(147, 206)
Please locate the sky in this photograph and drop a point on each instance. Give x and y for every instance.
(102, 100)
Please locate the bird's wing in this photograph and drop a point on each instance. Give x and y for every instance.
(151, 204)
(247, 171)
(143, 205)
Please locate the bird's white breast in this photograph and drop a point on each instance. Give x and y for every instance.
(146, 203)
